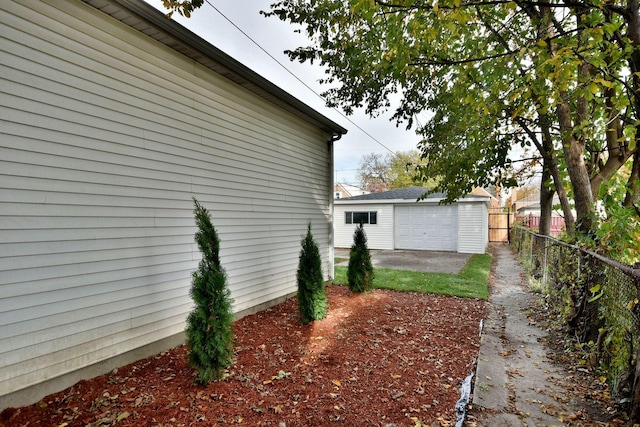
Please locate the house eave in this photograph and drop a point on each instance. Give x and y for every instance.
(384, 201)
(476, 199)
(153, 23)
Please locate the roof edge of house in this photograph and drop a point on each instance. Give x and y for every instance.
(351, 201)
(199, 50)
(410, 195)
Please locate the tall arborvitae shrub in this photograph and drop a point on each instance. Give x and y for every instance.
(360, 271)
(312, 300)
(209, 326)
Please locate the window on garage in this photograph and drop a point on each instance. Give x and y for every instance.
(361, 217)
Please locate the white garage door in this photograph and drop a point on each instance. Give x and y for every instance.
(426, 227)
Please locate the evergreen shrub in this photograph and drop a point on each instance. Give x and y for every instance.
(360, 270)
(209, 327)
(312, 300)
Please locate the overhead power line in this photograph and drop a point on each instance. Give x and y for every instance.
(299, 79)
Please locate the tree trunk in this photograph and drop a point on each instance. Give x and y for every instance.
(574, 156)
(633, 9)
(550, 166)
(578, 169)
(617, 152)
(551, 163)
(633, 183)
(546, 203)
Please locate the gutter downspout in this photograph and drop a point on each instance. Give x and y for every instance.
(334, 138)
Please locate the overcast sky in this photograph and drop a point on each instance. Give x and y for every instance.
(275, 36)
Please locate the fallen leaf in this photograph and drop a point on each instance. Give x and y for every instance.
(122, 416)
(396, 394)
(282, 375)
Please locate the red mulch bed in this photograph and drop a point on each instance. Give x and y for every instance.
(378, 359)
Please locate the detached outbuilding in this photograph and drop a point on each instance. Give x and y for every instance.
(112, 117)
(396, 220)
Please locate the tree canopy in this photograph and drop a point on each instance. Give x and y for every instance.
(183, 7)
(558, 77)
(380, 172)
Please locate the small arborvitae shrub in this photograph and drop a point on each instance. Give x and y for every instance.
(312, 300)
(209, 326)
(360, 271)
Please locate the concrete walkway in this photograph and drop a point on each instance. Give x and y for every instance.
(515, 384)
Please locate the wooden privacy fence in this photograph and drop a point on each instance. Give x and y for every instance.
(500, 223)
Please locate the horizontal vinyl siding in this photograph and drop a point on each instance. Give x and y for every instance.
(472, 227)
(104, 138)
(379, 236)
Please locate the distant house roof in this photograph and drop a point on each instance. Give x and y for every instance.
(531, 207)
(409, 193)
(153, 23)
(495, 202)
(351, 190)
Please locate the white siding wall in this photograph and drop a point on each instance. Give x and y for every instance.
(105, 136)
(473, 228)
(379, 236)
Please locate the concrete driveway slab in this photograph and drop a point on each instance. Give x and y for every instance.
(426, 261)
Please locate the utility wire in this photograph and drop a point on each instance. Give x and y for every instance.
(297, 78)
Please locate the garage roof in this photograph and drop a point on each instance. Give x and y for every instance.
(409, 193)
(153, 23)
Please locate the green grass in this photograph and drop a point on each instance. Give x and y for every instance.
(471, 282)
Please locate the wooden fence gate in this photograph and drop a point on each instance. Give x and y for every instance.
(500, 223)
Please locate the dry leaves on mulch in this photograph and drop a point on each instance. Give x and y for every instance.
(378, 359)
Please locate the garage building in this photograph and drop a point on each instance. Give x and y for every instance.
(397, 220)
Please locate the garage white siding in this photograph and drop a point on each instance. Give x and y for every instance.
(426, 227)
(379, 236)
(419, 225)
(105, 136)
(473, 223)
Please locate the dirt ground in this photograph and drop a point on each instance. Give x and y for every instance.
(379, 359)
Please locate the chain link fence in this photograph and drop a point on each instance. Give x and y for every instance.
(596, 298)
